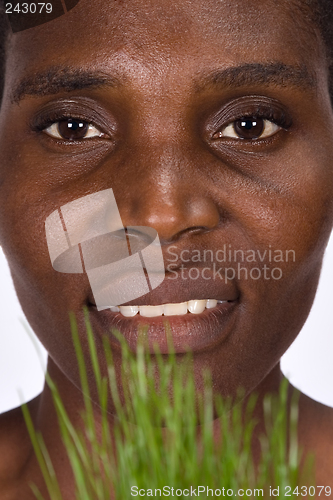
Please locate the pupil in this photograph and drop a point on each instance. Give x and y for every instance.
(72, 129)
(248, 124)
(75, 125)
(249, 128)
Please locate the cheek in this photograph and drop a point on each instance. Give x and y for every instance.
(45, 295)
(22, 226)
(27, 196)
(297, 214)
(289, 224)
(307, 212)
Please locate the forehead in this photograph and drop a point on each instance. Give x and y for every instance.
(139, 39)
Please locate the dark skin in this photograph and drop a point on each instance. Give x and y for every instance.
(159, 118)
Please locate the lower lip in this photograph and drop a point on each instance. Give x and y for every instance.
(194, 332)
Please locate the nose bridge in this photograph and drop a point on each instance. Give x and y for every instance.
(164, 172)
(160, 174)
(161, 116)
(161, 141)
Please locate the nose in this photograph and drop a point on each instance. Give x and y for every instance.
(178, 213)
(166, 191)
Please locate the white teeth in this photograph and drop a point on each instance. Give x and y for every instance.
(129, 311)
(115, 309)
(175, 309)
(196, 306)
(151, 311)
(192, 306)
(211, 303)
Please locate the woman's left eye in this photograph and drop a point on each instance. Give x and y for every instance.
(71, 129)
(249, 128)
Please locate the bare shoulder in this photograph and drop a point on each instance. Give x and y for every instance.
(15, 446)
(316, 435)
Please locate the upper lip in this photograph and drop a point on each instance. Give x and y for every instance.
(182, 290)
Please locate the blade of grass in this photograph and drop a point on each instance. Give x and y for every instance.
(42, 457)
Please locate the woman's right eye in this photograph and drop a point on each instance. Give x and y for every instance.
(72, 129)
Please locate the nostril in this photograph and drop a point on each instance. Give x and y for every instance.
(186, 232)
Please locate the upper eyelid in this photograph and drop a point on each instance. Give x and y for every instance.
(264, 115)
(246, 116)
(248, 106)
(83, 109)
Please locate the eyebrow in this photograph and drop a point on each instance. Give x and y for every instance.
(66, 79)
(60, 79)
(276, 73)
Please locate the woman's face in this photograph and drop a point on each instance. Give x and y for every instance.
(213, 125)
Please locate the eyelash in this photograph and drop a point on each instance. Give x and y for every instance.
(277, 117)
(43, 123)
(270, 115)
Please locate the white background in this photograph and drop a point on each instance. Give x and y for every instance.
(307, 364)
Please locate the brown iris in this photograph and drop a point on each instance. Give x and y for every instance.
(72, 129)
(249, 128)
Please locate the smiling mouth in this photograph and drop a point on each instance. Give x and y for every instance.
(173, 309)
(199, 331)
(199, 316)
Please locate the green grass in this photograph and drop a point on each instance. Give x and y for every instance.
(148, 460)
